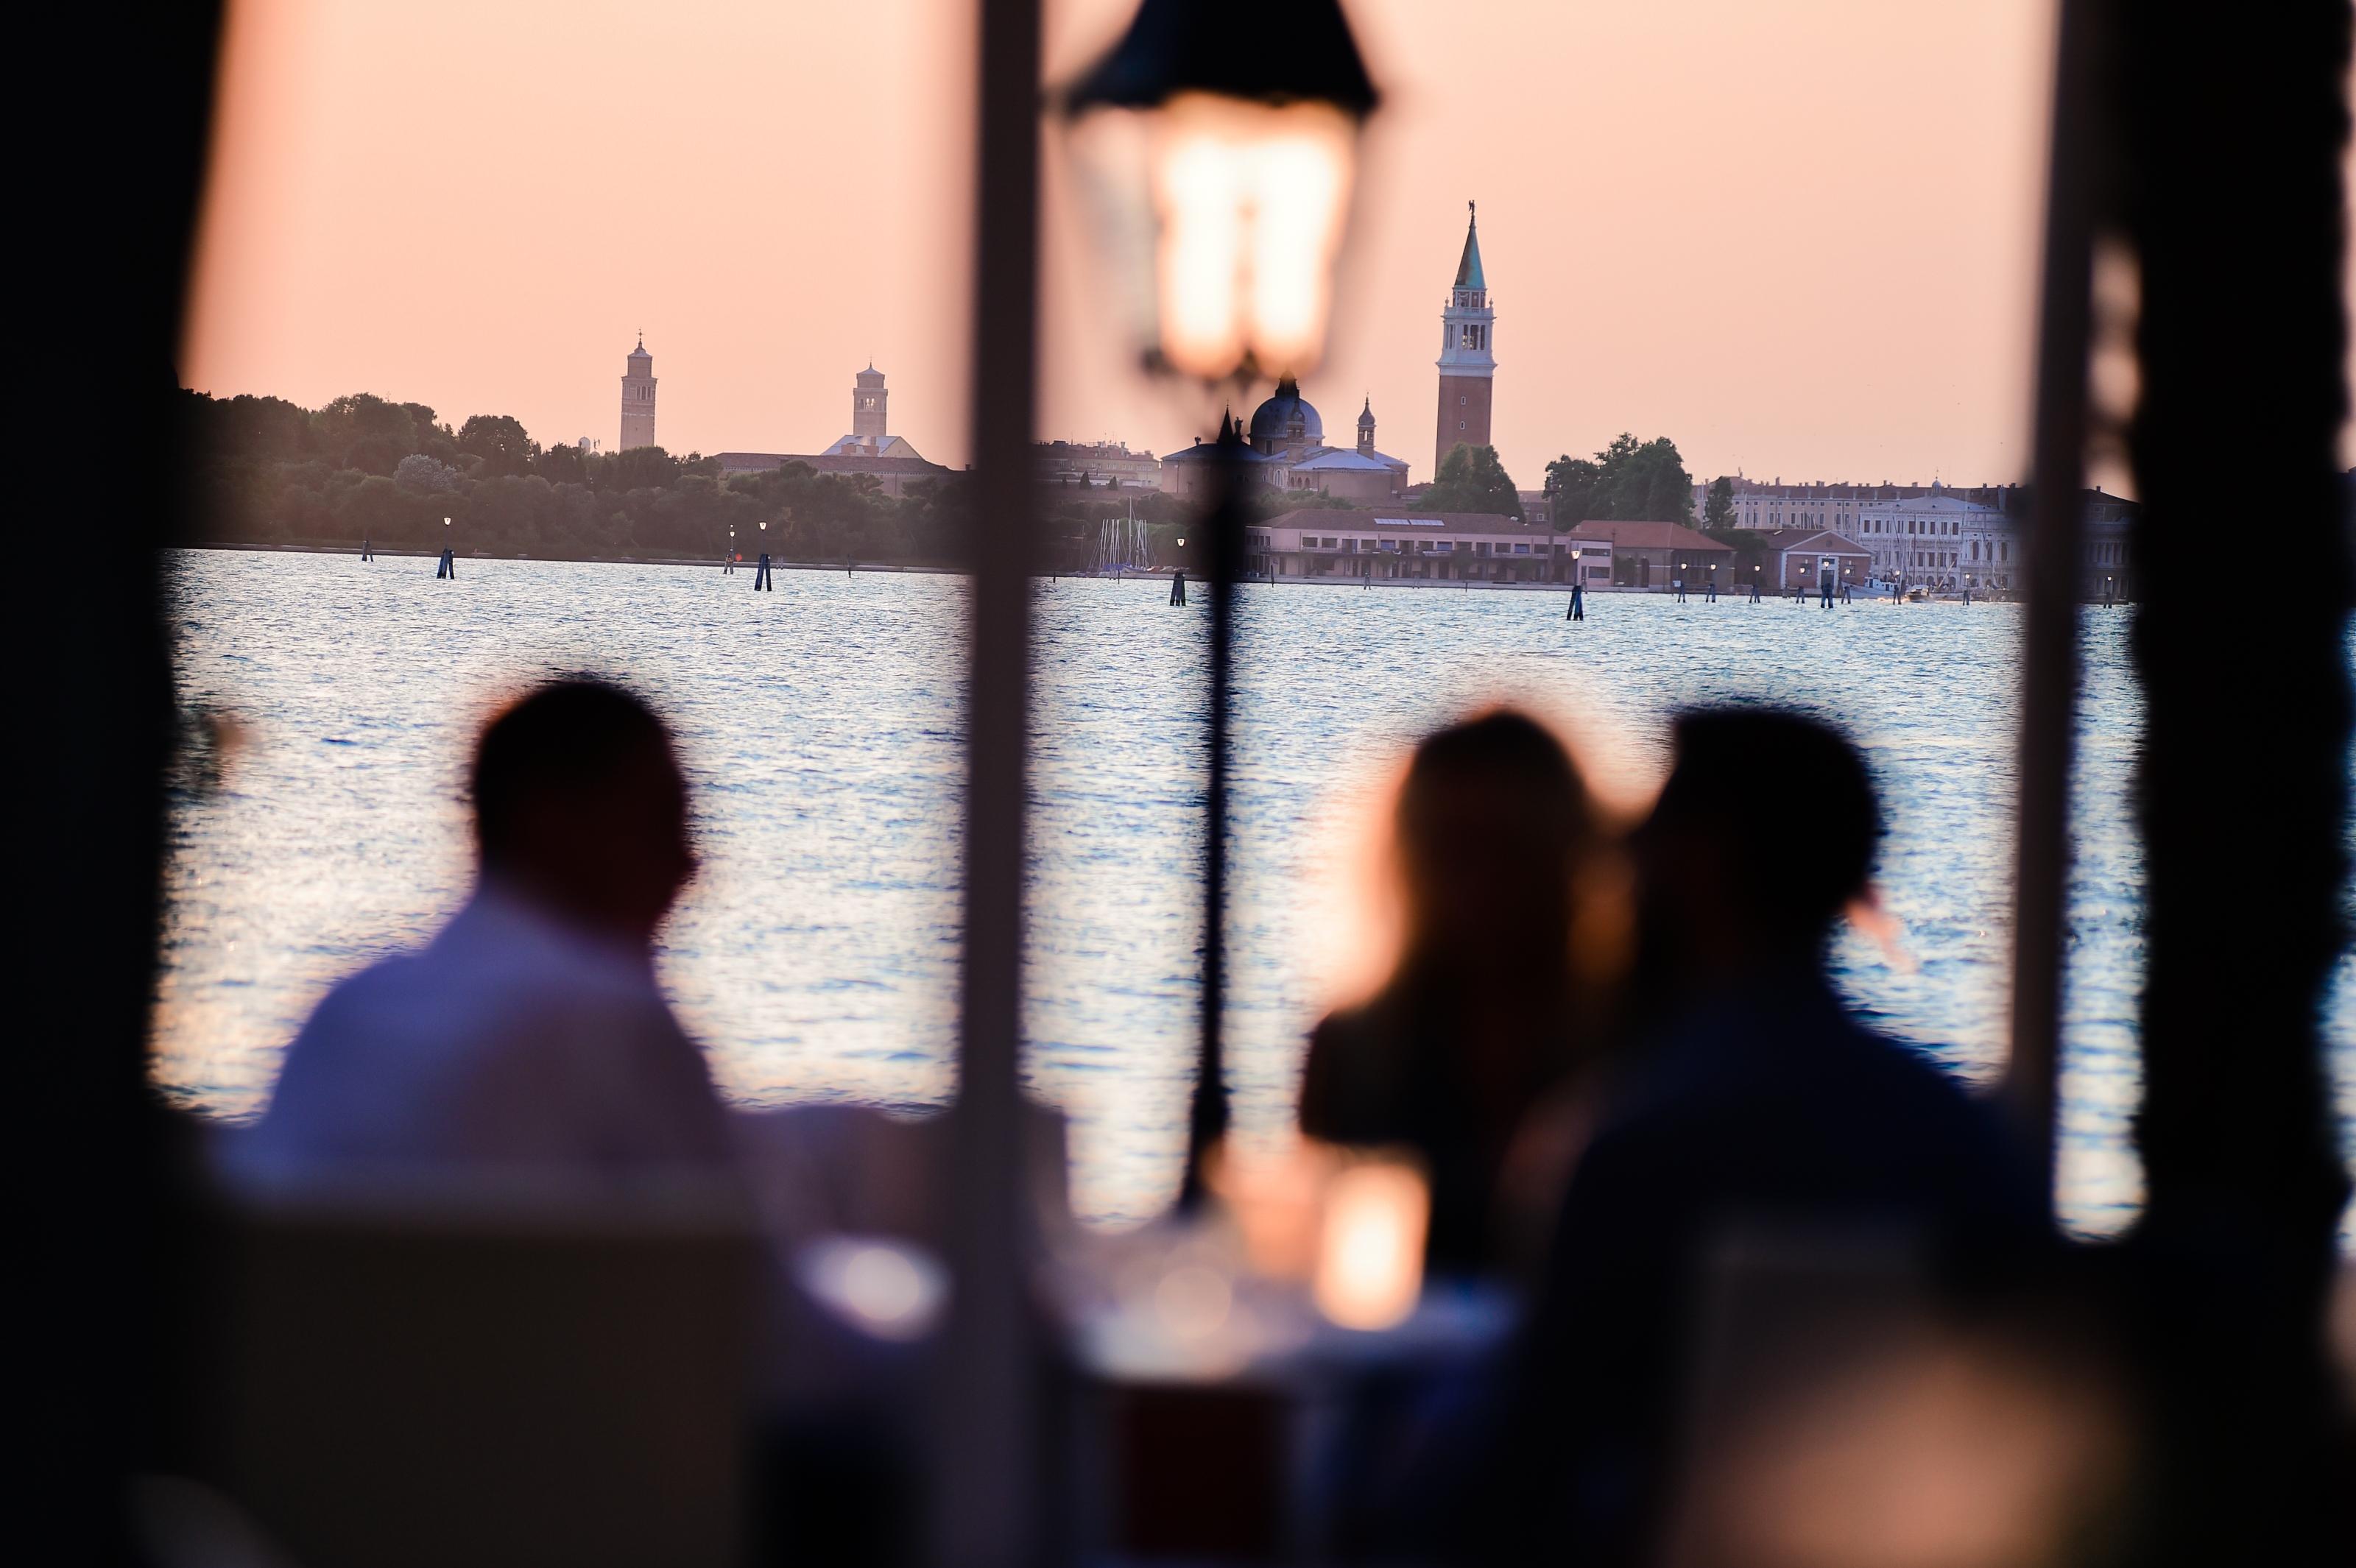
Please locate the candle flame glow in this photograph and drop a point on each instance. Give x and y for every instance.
(1371, 1270)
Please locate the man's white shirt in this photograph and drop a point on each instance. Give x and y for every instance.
(513, 1040)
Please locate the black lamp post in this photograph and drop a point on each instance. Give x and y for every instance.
(1219, 142)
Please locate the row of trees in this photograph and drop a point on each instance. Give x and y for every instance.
(1472, 479)
(1629, 480)
(267, 470)
(1646, 481)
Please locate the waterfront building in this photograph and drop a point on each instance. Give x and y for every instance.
(2108, 563)
(1945, 538)
(1937, 539)
(1330, 545)
(893, 475)
(1988, 551)
(1771, 504)
(1063, 462)
(1796, 558)
(1410, 545)
(1646, 554)
(1468, 364)
(639, 398)
(870, 449)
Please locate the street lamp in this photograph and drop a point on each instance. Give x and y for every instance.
(1217, 142)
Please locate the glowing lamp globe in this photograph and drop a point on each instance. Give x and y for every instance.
(1216, 144)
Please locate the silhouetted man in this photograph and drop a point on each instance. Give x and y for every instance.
(1760, 1102)
(529, 1033)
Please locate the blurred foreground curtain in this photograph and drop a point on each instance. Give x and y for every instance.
(116, 136)
(2231, 125)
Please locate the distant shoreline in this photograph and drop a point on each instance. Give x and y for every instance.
(889, 569)
(711, 562)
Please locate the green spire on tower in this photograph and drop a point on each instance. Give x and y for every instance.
(1468, 269)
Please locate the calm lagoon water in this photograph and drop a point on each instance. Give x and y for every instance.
(815, 956)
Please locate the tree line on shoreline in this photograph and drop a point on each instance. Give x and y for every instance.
(364, 468)
(361, 468)
(265, 470)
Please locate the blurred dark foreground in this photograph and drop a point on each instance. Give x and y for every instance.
(222, 1372)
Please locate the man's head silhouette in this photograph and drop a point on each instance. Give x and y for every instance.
(580, 806)
(1764, 835)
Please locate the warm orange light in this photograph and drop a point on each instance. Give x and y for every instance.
(1370, 1267)
(1249, 205)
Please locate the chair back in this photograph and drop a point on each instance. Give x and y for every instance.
(547, 1381)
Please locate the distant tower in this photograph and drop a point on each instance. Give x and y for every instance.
(638, 399)
(1466, 365)
(867, 397)
(1367, 427)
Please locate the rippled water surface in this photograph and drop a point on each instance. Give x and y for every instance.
(817, 954)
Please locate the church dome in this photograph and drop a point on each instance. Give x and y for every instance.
(1287, 418)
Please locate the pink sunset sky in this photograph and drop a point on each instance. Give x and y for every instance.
(1799, 238)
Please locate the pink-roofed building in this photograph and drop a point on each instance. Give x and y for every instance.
(1646, 554)
(1401, 544)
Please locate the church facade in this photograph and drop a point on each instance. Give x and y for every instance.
(1285, 449)
(1468, 363)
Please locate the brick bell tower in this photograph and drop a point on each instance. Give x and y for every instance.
(1467, 368)
(638, 399)
(867, 404)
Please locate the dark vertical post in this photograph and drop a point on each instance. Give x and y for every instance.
(1206, 1120)
(2049, 641)
(94, 1146)
(2234, 134)
(985, 1505)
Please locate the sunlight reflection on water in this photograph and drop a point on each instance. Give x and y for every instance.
(817, 954)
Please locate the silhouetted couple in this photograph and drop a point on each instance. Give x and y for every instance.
(1723, 1088)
